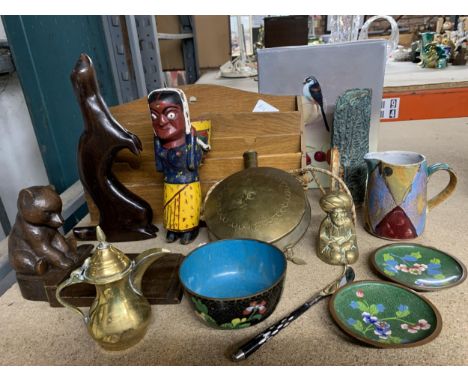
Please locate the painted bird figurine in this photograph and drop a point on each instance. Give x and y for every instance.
(312, 91)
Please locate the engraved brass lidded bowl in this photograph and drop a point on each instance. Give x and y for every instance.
(261, 203)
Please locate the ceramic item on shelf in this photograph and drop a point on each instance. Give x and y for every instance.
(402, 54)
(123, 215)
(337, 244)
(40, 255)
(433, 54)
(449, 47)
(448, 25)
(427, 38)
(178, 155)
(258, 341)
(385, 315)
(418, 267)
(120, 315)
(261, 203)
(396, 202)
(415, 55)
(235, 283)
(460, 56)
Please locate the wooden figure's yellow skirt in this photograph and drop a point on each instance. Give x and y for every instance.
(182, 204)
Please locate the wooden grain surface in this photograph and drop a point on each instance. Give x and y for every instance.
(212, 168)
(232, 124)
(215, 99)
(276, 136)
(148, 183)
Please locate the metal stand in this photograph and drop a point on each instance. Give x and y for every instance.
(125, 84)
(138, 70)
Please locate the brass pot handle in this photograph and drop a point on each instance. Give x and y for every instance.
(202, 212)
(76, 277)
(289, 252)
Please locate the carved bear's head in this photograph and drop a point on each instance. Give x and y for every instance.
(40, 205)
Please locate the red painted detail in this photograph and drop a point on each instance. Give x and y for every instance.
(396, 225)
(320, 156)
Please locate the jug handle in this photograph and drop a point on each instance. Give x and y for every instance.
(76, 277)
(448, 190)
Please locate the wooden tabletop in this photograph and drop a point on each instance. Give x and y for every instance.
(35, 334)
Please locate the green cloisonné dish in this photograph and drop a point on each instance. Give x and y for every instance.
(418, 267)
(385, 315)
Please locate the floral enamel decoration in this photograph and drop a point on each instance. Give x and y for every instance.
(394, 263)
(421, 325)
(255, 306)
(382, 329)
(385, 315)
(372, 320)
(254, 312)
(418, 267)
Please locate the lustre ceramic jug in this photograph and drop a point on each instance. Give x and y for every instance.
(396, 197)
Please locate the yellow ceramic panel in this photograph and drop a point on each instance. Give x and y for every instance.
(399, 181)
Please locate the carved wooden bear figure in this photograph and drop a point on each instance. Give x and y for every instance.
(34, 244)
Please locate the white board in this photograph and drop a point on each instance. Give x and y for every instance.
(337, 67)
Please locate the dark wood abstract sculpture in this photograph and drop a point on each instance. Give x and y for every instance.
(124, 216)
(37, 251)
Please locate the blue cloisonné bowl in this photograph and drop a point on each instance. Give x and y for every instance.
(235, 283)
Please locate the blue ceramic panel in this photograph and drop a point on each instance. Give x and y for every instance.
(415, 203)
(380, 201)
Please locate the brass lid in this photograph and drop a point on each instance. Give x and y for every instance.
(260, 203)
(107, 263)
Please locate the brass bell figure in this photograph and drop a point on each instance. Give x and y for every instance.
(120, 314)
(337, 243)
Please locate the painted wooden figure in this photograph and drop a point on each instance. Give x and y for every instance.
(178, 155)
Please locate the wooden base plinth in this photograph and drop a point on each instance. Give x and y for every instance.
(160, 283)
(37, 288)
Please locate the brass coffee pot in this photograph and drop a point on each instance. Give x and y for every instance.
(119, 316)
